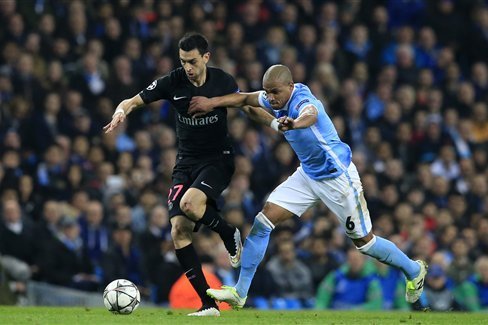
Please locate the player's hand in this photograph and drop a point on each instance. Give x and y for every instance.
(117, 119)
(286, 123)
(199, 106)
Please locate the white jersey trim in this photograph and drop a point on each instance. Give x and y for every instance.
(327, 148)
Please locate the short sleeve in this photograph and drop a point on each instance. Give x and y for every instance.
(232, 86)
(158, 89)
(305, 102)
(263, 100)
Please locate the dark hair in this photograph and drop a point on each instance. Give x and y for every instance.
(193, 41)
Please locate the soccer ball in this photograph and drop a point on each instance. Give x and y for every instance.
(121, 297)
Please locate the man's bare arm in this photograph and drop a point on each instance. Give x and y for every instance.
(203, 105)
(258, 115)
(308, 116)
(123, 109)
(128, 105)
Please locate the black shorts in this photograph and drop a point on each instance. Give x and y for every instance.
(211, 175)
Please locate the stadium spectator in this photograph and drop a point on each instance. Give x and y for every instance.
(29, 199)
(392, 287)
(64, 261)
(47, 227)
(292, 277)
(320, 262)
(439, 291)
(7, 295)
(123, 260)
(358, 276)
(473, 290)
(94, 234)
(158, 256)
(19, 253)
(47, 123)
(12, 170)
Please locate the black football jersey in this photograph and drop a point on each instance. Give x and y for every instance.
(204, 135)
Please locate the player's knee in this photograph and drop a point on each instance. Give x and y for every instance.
(262, 223)
(364, 244)
(274, 214)
(189, 208)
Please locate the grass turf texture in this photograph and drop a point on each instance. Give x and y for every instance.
(95, 316)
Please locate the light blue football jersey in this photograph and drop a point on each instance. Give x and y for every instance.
(322, 154)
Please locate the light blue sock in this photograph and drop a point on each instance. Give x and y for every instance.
(387, 252)
(253, 252)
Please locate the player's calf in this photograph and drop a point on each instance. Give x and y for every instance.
(230, 235)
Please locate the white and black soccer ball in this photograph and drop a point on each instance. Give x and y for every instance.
(121, 297)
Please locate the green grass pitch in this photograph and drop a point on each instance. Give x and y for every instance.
(95, 316)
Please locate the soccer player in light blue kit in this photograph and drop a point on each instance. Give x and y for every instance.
(326, 174)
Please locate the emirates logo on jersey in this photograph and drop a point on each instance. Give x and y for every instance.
(201, 121)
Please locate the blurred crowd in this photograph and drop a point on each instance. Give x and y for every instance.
(405, 82)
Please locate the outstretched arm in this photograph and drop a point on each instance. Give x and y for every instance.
(123, 109)
(258, 115)
(203, 105)
(261, 116)
(308, 116)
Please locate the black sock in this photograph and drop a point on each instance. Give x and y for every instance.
(214, 221)
(190, 263)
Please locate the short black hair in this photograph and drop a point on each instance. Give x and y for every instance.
(193, 41)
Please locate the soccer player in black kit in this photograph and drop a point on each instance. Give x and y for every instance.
(205, 160)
